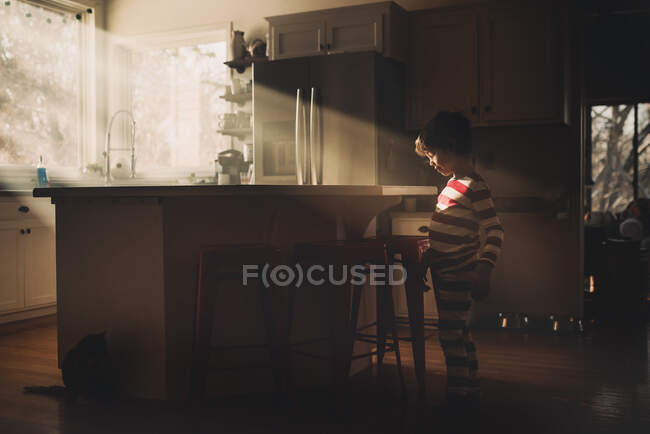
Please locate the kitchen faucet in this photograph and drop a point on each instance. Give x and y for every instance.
(107, 145)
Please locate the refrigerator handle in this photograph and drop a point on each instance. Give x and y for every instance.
(306, 176)
(299, 131)
(314, 139)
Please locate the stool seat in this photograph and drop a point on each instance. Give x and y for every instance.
(218, 263)
(342, 252)
(343, 334)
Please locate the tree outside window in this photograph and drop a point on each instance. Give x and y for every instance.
(620, 156)
(39, 85)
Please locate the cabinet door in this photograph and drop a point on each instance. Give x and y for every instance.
(443, 71)
(40, 265)
(522, 65)
(11, 267)
(297, 39)
(354, 32)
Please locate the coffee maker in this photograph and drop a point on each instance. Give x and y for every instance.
(232, 164)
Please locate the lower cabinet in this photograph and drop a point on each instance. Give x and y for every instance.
(40, 272)
(11, 267)
(27, 259)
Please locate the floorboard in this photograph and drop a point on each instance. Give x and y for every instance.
(531, 383)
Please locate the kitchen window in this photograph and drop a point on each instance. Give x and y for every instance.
(46, 85)
(618, 156)
(172, 84)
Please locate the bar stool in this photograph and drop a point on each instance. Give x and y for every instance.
(343, 329)
(411, 249)
(218, 263)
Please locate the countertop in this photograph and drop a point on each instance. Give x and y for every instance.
(230, 190)
(17, 192)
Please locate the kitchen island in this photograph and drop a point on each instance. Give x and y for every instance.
(127, 260)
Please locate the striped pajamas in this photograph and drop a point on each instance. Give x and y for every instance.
(464, 208)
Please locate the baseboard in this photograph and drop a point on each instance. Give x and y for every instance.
(28, 314)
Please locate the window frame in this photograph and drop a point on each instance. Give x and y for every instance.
(19, 174)
(120, 94)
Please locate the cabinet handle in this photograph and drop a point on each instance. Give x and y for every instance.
(329, 46)
(423, 229)
(29, 231)
(474, 109)
(24, 209)
(488, 108)
(322, 47)
(22, 231)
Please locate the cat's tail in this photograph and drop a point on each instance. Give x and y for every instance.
(56, 391)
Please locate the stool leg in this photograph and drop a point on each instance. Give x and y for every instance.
(339, 320)
(415, 302)
(206, 300)
(381, 329)
(393, 331)
(287, 350)
(354, 320)
(332, 312)
(271, 335)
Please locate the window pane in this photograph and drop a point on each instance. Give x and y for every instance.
(612, 131)
(644, 152)
(176, 105)
(39, 85)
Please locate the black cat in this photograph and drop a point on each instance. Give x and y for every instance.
(87, 371)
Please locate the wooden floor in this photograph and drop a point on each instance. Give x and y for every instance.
(532, 383)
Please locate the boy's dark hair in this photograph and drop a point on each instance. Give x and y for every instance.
(448, 131)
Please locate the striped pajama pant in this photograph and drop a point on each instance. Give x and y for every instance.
(454, 300)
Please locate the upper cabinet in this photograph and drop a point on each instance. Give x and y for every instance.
(443, 70)
(500, 65)
(377, 27)
(296, 39)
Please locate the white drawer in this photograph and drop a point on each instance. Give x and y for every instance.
(408, 223)
(37, 208)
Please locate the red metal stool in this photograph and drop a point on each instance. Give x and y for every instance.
(343, 329)
(411, 249)
(226, 262)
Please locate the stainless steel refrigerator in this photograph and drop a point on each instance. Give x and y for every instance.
(331, 119)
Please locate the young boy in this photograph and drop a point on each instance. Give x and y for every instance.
(460, 267)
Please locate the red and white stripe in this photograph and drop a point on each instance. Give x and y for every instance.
(464, 208)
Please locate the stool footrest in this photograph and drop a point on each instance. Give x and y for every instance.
(371, 338)
(238, 347)
(240, 367)
(372, 324)
(372, 352)
(308, 341)
(312, 355)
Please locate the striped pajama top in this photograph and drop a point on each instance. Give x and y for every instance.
(464, 208)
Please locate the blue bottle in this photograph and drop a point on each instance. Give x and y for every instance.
(41, 173)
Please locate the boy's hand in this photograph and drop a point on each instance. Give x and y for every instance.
(481, 282)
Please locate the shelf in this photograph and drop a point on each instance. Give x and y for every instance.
(239, 98)
(237, 132)
(241, 64)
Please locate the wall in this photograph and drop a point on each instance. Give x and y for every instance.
(125, 17)
(540, 161)
(616, 62)
(539, 270)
